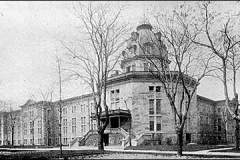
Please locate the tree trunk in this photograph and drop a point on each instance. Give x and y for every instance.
(236, 134)
(12, 135)
(180, 141)
(33, 133)
(60, 139)
(100, 141)
(226, 141)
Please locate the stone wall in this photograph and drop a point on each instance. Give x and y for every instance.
(92, 140)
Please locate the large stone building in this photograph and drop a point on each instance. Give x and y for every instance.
(140, 112)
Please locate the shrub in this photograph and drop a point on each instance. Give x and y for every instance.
(169, 141)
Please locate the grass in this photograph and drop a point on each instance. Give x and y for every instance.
(191, 147)
(48, 155)
(25, 146)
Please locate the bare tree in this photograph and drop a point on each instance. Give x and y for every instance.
(176, 63)
(98, 55)
(12, 119)
(224, 43)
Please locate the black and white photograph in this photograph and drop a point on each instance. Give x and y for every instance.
(119, 80)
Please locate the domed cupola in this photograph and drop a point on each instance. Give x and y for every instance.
(144, 24)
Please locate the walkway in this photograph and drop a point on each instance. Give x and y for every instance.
(121, 149)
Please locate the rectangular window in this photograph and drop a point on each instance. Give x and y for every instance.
(65, 131)
(25, 128)
(64, 122)
(39, 130)
(39, 123)
(74, 121)
(151, 123)
(31, 127)
(81, 108)
(158, 88)
(74, 130)
(145, 66)
(117, 91)
(128, 69)
(148, 49)
(39, 140)
(64, 111)
(219, 121)
(151, 106)
(112, 95)
(159, 123)
(73, 109)
(19, 129)
(65, 141)
(133, 67)
(158, 106)
(151, 88)
(82, 124)
(219, 125)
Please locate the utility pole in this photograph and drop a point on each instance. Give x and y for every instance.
(60, 105)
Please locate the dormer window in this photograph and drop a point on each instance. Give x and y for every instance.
(124, 53)
(151, 67)
(147, 48)
(151, 88)
(158, 88)
(145, 67)
(134, 49)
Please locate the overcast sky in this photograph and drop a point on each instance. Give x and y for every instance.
(28, 46)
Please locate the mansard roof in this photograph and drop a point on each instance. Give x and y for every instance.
(213, 102)
(205, 99)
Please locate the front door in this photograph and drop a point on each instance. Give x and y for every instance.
(106, 139)
(188, 137)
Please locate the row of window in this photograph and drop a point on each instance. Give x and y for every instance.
(154, 88)
(83, 108)
(146, 67)
(25, 141)
(217, 122)
(73, 121)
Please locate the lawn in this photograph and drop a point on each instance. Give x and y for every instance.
(139, 156)
(47, 155)
(191, 147)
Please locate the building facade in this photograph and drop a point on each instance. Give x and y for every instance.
(139, 110)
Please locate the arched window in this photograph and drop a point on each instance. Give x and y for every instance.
(134, 49)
